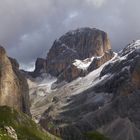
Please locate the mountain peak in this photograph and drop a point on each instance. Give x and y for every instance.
(82, 30)
(81, 45)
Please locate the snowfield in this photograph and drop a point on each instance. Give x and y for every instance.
(42, 96)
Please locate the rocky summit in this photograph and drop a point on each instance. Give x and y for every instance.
(14, 91)
(72, 54)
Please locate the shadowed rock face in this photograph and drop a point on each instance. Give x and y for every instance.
(125, 74)
(13, 85)
(121, 128)
(78, 44)
(40, 67)
(97, 62)
(112, 102)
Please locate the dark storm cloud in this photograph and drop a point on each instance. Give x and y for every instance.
(29, 27)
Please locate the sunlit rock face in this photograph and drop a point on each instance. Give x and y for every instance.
(13, 85)
(80, 44)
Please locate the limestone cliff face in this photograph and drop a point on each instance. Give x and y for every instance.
(13, 85)
(78, 44)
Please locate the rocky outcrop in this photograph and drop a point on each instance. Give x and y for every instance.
(78, 44)
(13, 85)
(125, 72)
(40, 67)
(98, 61)
(71, 73)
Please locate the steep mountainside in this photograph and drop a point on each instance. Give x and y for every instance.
(40, 67)
(72, 54)
(105, 100)
(14, 91)
(14, 102)
(18, 126)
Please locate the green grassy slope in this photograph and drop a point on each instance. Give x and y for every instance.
(25, 128)
(95, 136)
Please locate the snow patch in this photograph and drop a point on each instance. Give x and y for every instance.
(82, 83)
(47, 82)
(134, 46)
(41, 93)
(126, 68)
(83, 64)
(42, 85)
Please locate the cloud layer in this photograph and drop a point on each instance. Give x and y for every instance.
(29, 27)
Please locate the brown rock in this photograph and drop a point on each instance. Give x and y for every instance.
(97, 62)
(13, 85)
(78, 44)
(71, 73)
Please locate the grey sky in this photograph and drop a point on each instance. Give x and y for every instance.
(28, 27)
